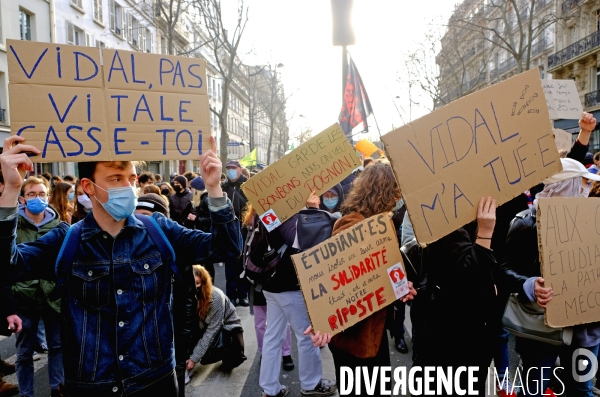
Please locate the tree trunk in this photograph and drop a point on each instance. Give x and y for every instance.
(271, 131)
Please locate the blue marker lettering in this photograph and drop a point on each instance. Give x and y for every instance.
(164, 131)
(56, 141)
(196, 76)
(27, 127)
(432, 207)
(498, 125)
(89, 108)
(98, 144)
(78, 128)
(182, 111)
(34, 66)
(522, 160)
(112, 67)
(483, 122)
(452, 140)
(177, 142)
(178, 73)
(544, 151)
(432, 167)
(491, 164)
(58, 63)
(199, 141)
(139, 109)
(506, 172)
(162, 111)
(117, 141)
(457, 197)
(119, 104)
(64, 116)
(133, 71)
(162, 71)
(77, 78)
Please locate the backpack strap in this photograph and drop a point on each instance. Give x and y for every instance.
(70, 246)
(160, 240)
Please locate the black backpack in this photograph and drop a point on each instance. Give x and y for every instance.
(262, 253)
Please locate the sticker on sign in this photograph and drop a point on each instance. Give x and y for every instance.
(399, 280)
(270, 220)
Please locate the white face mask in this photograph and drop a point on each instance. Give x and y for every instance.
(85, 201)
(585, 191)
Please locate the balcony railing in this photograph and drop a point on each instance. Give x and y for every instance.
(574, 50)
(540, 46)
(568, 5)
(3, 116)
(506, 65)
(592, 99)
(494, 74)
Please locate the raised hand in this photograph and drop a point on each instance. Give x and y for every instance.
(15, 163)
(587, 123)
(210, 170)
(313, 200)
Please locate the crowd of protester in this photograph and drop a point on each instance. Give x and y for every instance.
(92, 296)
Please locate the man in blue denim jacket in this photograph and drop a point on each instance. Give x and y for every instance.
(117, 332)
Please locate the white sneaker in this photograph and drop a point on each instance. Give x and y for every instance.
(187, 376)
(37, 356)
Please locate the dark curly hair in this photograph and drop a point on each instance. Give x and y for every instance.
(373, 192)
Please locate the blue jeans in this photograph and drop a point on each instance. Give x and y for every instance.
(41, 333)
(501, 361)
(26, 343)
(541, 357)
(575, 388)
(236, 287)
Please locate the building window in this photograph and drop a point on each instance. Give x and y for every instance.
(78, 4)
(542, 73)
(25, 25)
(163, 46)
(148, 43)
(76, 36)
(98, 15)
(116, 18)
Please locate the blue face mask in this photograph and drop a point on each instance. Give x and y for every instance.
(398, 205)
(71, 196)
(121, 202)
(232, 174)
(330, 203)
(37, 205)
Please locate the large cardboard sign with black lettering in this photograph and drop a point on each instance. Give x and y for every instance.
(80, 104)
(281, 190)
(496, 142)
(569, 243)
(352, 275)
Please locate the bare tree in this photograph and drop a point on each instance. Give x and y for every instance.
(304, 135)
(169, 20)
(272, 101)
(224, 45)
(514, 26)
(442, 68)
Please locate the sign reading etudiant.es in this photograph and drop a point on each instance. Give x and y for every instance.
(281, 190)
(352, 275)
(569, 242)
(81, 104)
(496, 142)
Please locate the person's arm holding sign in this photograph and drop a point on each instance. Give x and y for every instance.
(587, 124)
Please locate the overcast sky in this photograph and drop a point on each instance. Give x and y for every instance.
(298, 34)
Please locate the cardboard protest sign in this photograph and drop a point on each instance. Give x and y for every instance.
(496, 142)
(281, 190)
(352, 275)
(562, 99)
(569, 244)
(563, 139)
(138, 106)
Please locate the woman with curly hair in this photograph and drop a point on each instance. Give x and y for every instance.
(62, 200)
(216, 314)
(365, 344)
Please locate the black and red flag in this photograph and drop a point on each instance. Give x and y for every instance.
(356, 107)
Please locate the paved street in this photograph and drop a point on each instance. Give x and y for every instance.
(211, 381)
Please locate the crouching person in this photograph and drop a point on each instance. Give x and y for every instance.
(222, 334)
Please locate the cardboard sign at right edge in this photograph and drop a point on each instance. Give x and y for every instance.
(562, 98)
(496, 142)
(569, 246)
(563, 139)
(352, 275)
(281, 189)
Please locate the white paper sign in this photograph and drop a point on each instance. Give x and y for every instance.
(562, 99)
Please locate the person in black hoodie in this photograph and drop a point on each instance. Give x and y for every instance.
(332, 200)
(236, 288)
(180, 203)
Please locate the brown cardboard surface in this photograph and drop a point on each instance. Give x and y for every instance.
(31, 62)
(563, 139)
(569, 244)
(496, 142)
(73, 120)
(562, 98)
(348, 277)
(132, 70)
(281, 190)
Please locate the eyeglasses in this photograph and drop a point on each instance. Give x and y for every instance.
(33, 195)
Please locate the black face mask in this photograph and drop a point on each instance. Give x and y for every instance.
(198, 293)
(165, 192)
(178, 188)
